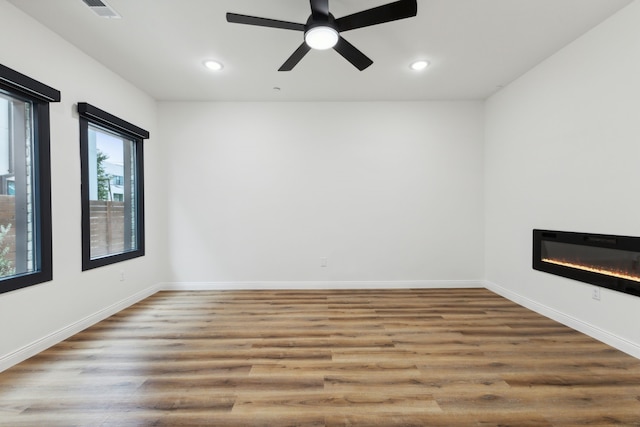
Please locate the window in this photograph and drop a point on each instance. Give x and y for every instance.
(112, 188)
(25, 181)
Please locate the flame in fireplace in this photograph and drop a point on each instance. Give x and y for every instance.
(618, 274)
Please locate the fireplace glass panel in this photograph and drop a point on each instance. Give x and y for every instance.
(610, 262)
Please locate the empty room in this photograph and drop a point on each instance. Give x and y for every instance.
(319, 213)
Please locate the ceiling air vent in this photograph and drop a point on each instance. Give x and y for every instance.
(101, 8)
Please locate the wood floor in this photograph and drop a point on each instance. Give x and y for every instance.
(463, 357)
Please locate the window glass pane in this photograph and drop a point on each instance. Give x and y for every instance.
(18, 209)
(112, 193)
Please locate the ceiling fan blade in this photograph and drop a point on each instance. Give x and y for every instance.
(352, 54)
(319, 9)
(295, 58)
(378, 15)
(263, 22)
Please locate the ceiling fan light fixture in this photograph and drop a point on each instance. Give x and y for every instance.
(213, 65)
(419, 65)
(321, 37)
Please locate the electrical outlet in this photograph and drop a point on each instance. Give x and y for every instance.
(596, 293)
(323, 262)
(122, 276)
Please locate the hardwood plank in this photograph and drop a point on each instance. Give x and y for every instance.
(336, 403)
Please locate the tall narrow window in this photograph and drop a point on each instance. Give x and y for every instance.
(25, 181)
(112, 188)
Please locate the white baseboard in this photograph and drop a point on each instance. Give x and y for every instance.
(586, 328)
(47, 341)
(318, 285)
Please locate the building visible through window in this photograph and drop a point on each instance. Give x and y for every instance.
(17, 240)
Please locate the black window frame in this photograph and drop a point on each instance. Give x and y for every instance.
(89, 114)
(40, 95)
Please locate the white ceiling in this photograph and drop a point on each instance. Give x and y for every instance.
(475, 46)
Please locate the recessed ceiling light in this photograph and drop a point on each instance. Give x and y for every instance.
(321, 38)
(419, 65)
(213, 65)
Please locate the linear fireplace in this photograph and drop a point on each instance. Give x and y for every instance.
(604, 260)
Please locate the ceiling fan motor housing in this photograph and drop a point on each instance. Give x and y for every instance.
(312, 22)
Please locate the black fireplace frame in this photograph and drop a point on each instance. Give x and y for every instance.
(586, 239)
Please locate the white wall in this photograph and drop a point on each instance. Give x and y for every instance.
(563, 153)
(388, 192)
(32, 314)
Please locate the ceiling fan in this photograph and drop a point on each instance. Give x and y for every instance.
(322, 30)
